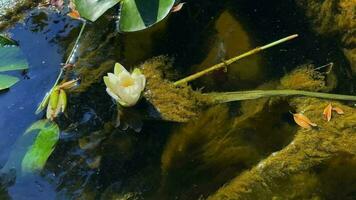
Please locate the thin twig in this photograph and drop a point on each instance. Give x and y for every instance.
(232, 60)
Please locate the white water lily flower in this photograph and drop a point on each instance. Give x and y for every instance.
(124, 87)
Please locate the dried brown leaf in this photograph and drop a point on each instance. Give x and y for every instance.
(327, 112)
(338, 110)
(303, 121)
(178, 7)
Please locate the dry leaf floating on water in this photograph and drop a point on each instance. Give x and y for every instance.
(303, 121)
(338, 110)
(178, 7)
(327, 112)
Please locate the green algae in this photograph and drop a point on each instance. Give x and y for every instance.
(334, 18)
(308, 150)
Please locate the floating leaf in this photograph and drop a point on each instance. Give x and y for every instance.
(11, 59)
(140, 14)
(303, 121)
(43, 146)
(93, 9)
(327, 112)
(338, 110)
(177, 7)
(7, 81)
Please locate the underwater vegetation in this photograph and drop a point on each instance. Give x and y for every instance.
(165, 99)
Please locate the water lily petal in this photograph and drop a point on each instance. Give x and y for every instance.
(114, 80)
(119, 68)
(112, 94)
(140, 80)
(129, 95)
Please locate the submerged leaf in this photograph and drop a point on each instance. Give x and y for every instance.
(43, 146)
(303, 121)
(140, 14)
(7, 81)
(327, 112)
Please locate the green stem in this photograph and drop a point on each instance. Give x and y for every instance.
(232, 60)
(225, 97)
(45, 99)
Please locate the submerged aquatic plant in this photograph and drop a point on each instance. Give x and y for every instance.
(123, 87)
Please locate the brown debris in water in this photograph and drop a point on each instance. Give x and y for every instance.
(179, 104)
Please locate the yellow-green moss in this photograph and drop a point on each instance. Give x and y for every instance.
(179, 104)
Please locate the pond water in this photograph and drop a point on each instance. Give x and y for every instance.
(148, 159)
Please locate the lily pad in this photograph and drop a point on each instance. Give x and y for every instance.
(11, 59)
(93, 9)
(140, 14)
(42, 147)
(7, 81)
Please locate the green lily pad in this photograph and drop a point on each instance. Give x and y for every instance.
(140, 14)
(11, 59)
(43, 146)
(7, 81)
(93, 9)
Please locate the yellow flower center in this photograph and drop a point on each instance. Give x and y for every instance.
(127, 82)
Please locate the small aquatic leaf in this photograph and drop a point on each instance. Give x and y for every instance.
(338, 110)
(7, 81)
(62, 101)
(57, 103)
(38, 153)
(303, 121)
(140, 14)
(177, 7)
(327, 112)
(93, 9)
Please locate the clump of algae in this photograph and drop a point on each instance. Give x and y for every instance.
(309, 149)
(334, 18)
(304, 78)
(179, 104)
(208, 152)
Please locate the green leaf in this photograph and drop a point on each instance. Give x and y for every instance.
(93, 9)
(140, 14)
(12, 59)
(43, 146)
(7, 81)
(5, 41)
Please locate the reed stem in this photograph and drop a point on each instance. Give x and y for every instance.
(225, 97)
(232, 60)
(45, 99)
